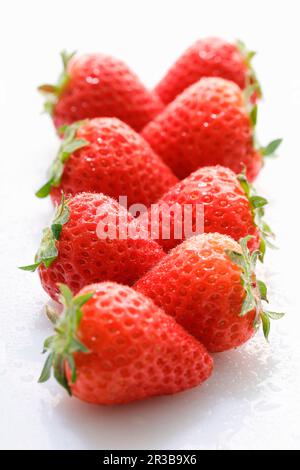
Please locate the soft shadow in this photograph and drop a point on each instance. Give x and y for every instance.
(163, 422)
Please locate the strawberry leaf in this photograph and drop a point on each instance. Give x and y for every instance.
(46, 371)
(30, 267)
(44, 191)
(60, 373)
(251, 77)
(266, 324)
(248, 304)
(64, 343)
(69, 145)
(73, 146)
(262, 290)
(56, 230)
(270, 149)
(255, 290)
(258, 201)
(72, 366)
(81, 300)
(274, 315)
(236, 258)
(257, 205)
(53, 92)
(77, 346)
(48, 251)
(66, 296)
(252, 90)
(253, 116)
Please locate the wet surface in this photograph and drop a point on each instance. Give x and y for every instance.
(252, 400)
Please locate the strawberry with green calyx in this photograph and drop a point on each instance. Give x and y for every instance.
(208, 284)
(257, 204)
(68, 146)
(98, 85)
(47, 251)
(53, 92)
(113, 345)
(256, 291)
(229, 203)
(65, 342)
(208, 124)
(93, 239)
(105, 155)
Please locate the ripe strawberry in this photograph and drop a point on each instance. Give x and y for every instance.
(208, 285)
(210, 57)
(112, 345)
(228, 205)
(208, 124)
(105, 155)
(97, 85)
(92, 239)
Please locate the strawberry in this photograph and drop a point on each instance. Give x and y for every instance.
(97, 85)
(92, 239)
(209, 57)
(112, 345)
(105, 155)
(228, 203)
(208, 285)
(208, 124)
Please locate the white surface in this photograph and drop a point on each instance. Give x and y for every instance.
(252, 401)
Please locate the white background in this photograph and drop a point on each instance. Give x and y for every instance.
(252, 400)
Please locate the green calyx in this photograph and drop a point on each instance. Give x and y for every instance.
(257, 204)
(68, 146)
(268, 150)
(48, 251)
(252, 83)
(53, 92)
(64, 343)
(256, 291)
(253, 87)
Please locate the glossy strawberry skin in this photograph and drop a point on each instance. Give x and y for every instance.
(207, 124)
(84, 258)
(136, 350)
(226, 208)
(117, 161)
(201, 288)
(101, 85)
(209, 57)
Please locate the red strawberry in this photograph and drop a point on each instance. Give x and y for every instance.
(208, 124)
(105, 155)
(208, 285)
(97, 85)
(210, 57)
(92, 239)
(112, 345)
(228, 205)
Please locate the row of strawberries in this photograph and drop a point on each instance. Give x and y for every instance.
(148, 309)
